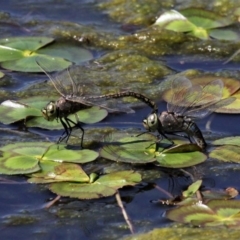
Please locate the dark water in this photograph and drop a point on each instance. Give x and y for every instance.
(22, 212)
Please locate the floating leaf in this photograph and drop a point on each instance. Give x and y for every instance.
(104, 186)
(70, 52)
(226, 153)
(220, 193)
(88, 116)
(125, 147)
(29, 63)
(180, 159)
(205, 19)
(175, 21)
(196, 22)
(12, 114)
(23, 157)
(58, 172)
(233, 107)
(59, 153)
(214, 213)
(224, 34)
(227, 141)
(25, 43)
(16, 164)
(23, 53)
(192, 189)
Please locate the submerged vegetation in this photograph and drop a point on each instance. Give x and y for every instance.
(91, 61)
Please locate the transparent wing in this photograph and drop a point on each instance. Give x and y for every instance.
(194, 101)
(207, 109)
(67, 84)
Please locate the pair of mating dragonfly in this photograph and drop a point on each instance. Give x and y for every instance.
(186, 103)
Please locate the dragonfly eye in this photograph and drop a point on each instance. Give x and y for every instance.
(150, 123)
(49, 112)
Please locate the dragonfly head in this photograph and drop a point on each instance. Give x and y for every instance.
(151, 122)
(50, 111)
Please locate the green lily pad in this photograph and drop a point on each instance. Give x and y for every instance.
(59, 153)
(104, 186)
(11, 164)
(227, 141)
(70, 52)
(226, 153)
(88, 116)
(123, 147)
(205, 19)
(25, 43)
(29, 63)
(16, 112)
(180, 159)
(214, 213)
(23, 157)
(175, 21)
(58, 172)
(233, 107)
(197, 22)
(224, 34)
(23, 53)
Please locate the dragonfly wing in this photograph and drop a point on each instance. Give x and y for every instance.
(195, 101)
(182, 94)
(112, 105)
(56, 80)
(207, 109)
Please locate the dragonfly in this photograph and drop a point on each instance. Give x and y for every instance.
(75, 99)
(187, 104)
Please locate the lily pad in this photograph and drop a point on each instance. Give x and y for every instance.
(104, 186)
(22, 158)
(72, 53)
(59, 153)
(227, 141)
(214, 213)
(16, 112)
(123, 147)
(58, 172)
(197, 22)
(233, 107)
(179, 158)
(11, 164)
(226, 153)
(88, 116)
(205, 19)
(23, 53)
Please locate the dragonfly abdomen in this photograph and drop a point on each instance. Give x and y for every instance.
(138, 96)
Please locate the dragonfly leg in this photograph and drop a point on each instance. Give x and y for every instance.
(65, 133)
(78, 124)
(140, 134)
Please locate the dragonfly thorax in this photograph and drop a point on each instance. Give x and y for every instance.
(151, 123)
(50, 111)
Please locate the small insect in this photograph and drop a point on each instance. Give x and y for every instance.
(75, 99)
(187, 103)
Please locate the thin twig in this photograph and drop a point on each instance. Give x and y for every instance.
(120, 204)
(49, 204)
